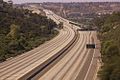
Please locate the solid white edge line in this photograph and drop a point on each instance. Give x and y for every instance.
(90, 66)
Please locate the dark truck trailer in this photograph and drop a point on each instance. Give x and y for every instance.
(90, 46)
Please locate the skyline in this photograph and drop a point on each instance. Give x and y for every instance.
(39, 1)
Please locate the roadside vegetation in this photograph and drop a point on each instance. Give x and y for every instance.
(109, 34)
(21, 30)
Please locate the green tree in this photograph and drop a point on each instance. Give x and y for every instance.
(112, 50)
(21, 30)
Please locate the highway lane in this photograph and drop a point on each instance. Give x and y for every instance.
(9, 65)
(19, 66)
(94, 64)
(4, 64)
(12, 71)
(76, 66)
(74, 63)
(58, 19)
(65, 68)
(82, 68)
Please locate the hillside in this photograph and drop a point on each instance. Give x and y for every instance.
(109, 34)
(21, 30)
(82, 12)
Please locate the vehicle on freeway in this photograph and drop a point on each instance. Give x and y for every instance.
(88, 46)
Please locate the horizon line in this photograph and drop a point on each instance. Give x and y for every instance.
(73, 2)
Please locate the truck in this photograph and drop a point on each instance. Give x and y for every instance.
(90, 46)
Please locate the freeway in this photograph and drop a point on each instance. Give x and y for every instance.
(63, 58)
(25, 65)
(78, 63)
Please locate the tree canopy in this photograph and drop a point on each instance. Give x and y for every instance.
(21, 30)
(109, 26)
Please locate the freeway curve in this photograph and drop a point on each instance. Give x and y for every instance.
(78, 63)
(25, 65)
(65, 57)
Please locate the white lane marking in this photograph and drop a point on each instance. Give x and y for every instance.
(90, 66)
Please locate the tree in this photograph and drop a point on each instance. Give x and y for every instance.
(115, 74)
(112, 50)
(110, 47)
(21, 30)
(2, 55)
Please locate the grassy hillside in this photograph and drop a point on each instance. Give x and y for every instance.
(21, 30)
(109, 27)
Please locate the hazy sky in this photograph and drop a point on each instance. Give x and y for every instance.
(24, 1)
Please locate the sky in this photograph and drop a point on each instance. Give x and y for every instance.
(28, 1)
